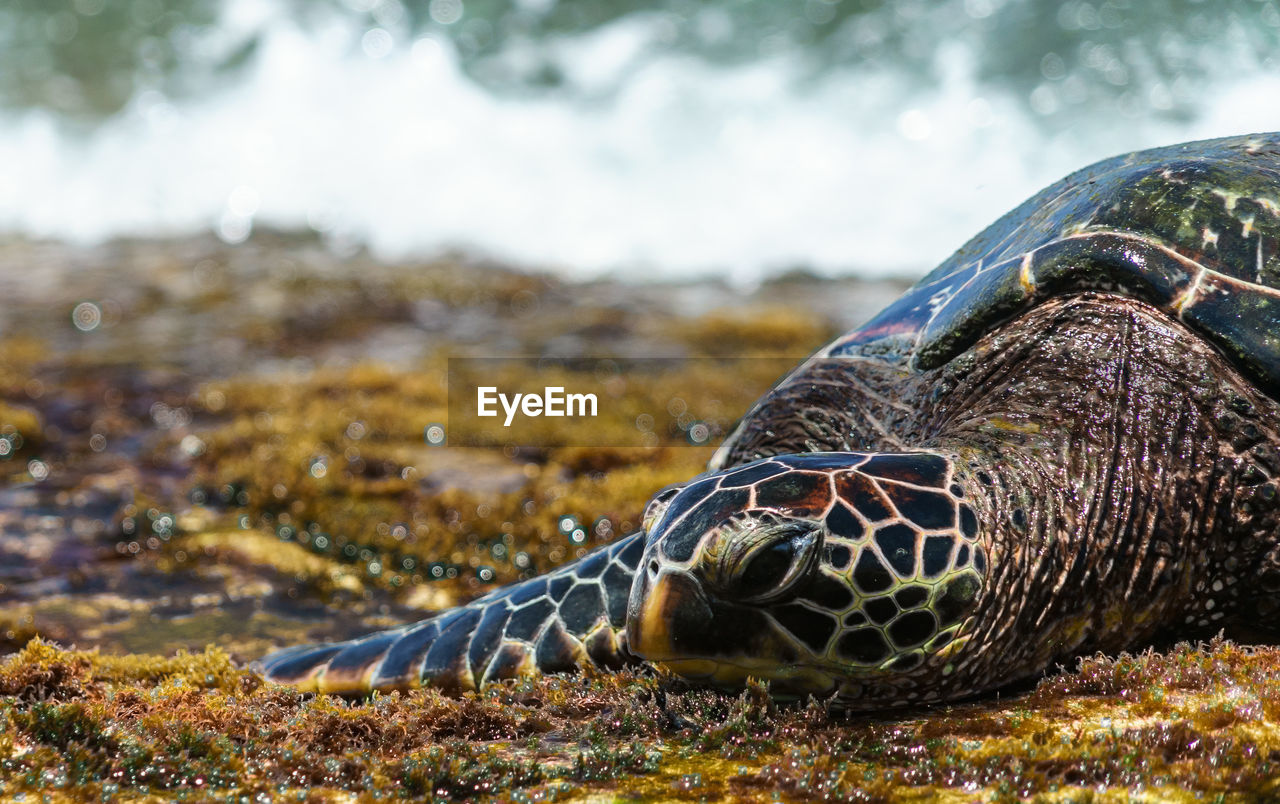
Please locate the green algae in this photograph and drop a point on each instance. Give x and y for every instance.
(1190, 724)
(288, 494)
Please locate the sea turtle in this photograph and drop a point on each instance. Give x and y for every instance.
(1064, 439)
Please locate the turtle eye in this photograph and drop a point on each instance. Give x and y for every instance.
(770, 569)
(657, 507)
(769, 566)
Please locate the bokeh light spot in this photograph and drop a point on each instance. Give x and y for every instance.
(445, 12)
(86, 316)
(434, 434)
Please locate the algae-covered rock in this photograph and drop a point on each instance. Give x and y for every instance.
(233, 451)
(1190, 724)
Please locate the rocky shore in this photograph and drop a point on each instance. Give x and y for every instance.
(206, 445)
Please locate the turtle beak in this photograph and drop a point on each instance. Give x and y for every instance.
(671, 621)
(666, 611)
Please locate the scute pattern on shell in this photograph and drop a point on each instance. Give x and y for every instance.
(1193, 229)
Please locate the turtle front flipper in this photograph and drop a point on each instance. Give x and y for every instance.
(560, 621)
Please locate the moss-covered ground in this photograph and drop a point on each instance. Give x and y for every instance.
(207, 452)
(1190, 724)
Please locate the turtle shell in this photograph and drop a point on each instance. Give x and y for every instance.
(1193, 229)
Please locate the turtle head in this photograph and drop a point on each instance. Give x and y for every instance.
(825, 573)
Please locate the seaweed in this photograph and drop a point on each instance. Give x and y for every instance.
(258, 476)
(1194, 722)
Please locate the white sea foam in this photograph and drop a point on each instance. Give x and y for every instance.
(686, 169)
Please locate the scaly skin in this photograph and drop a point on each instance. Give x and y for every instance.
(1122, 498)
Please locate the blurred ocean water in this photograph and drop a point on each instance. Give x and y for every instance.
(736, 138)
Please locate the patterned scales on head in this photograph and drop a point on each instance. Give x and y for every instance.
(814, 564)
(1064, 439)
